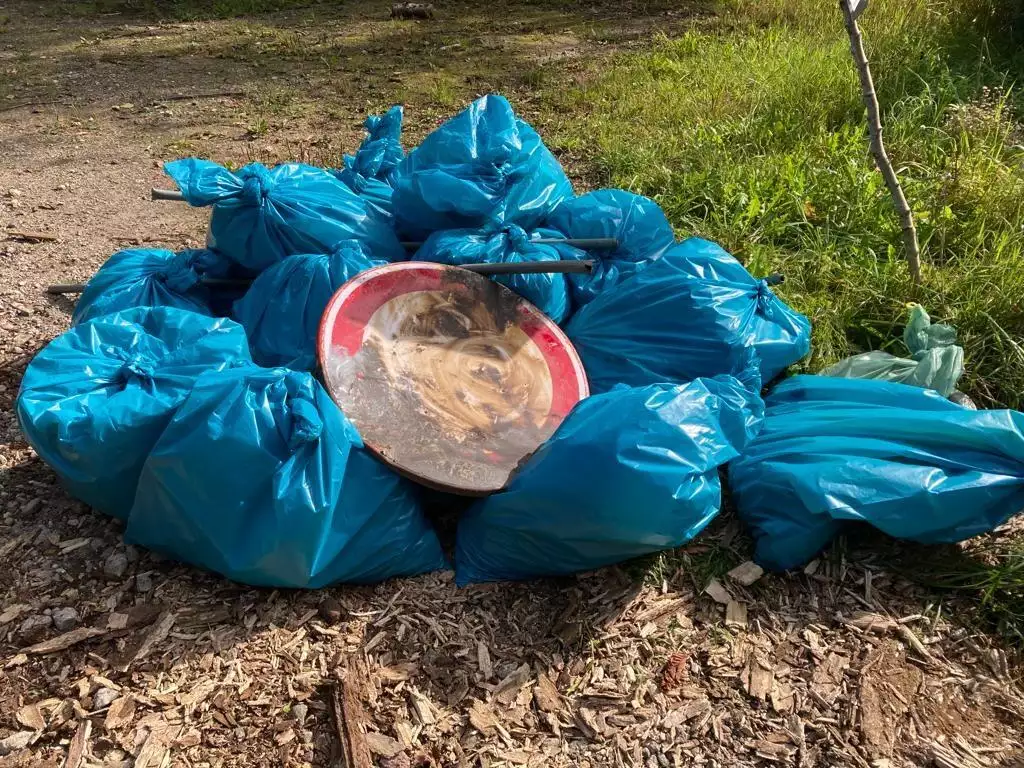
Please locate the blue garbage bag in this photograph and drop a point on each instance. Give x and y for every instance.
(261, 215)
(637, 222)
(903, 459)
(380, 154)
(510, 244)
(483, 167)
(629, 472)
(261, 478)
(684, 316)
(780, 334)
(661, 326)
(95, 399)
(281, 311)
(375, 192)
(372, 170)
(151, 277)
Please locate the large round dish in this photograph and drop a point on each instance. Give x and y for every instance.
(449, 377)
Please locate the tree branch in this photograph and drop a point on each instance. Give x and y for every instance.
(899, 201)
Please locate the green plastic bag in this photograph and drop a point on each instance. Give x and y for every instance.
(936, 362)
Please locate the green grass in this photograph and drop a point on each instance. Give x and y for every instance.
(749, 130)
(992, 575)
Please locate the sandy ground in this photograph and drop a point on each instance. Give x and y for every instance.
(158, 664)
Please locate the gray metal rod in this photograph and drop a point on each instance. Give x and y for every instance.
(583, 243)
(522, 268)
(583, 266)
(61, 288)
(166, 194)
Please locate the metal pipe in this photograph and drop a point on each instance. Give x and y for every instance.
(166, 194)
(61, 288)
(583, 266)
(583, 243)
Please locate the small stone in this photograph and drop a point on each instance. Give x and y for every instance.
(12, 192)
(116, 565)
(103, 698)
(143, 583)
(34, 627)
(132, 553)
(330, 610)
(65, 619)
(382, 745)
(299, 712)
(31, 507)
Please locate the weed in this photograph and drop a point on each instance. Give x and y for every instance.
(179, 148)
(445, 91)
(257, 128)
(991, 574)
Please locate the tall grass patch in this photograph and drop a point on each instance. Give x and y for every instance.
(749, 130)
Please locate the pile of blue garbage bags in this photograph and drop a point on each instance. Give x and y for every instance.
(192, 412)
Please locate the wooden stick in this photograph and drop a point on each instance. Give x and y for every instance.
(190, 96)
(32, 237)
(867, 87)
(349, 717)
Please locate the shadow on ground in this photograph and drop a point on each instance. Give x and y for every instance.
(321, 54)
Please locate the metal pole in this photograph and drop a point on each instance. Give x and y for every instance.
(61, 288)
(166, 194)
(583, 266)
(583, 243)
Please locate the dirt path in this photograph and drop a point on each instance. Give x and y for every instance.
(842, 665)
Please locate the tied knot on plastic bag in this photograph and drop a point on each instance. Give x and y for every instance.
(180, 274)
(501, 160)
(517, 237)
(257, 183)
(372, 123)
(356, 181)
(135, 367)
(765, 299)
(307, 426)
(349, 249)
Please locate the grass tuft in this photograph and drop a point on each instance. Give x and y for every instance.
(991, 574)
